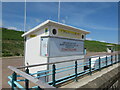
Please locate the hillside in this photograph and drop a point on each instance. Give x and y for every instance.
(96, 46)
(13, 44)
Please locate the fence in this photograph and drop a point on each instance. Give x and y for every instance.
(22, 74)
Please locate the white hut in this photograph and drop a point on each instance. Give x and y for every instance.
(52, 42)
(110, 48)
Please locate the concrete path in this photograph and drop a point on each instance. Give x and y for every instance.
(5, 72)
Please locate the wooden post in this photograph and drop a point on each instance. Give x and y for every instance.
(53, 74)
(76, 71)
(14, 78)
(26, 80)
(90, 72)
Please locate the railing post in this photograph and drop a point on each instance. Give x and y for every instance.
(76, 71)
(53, 74)
(99, 63)
(118, 57)
(111, 60)
(14, 78)
(106, 60)
(39, 88)
(26, 80)
(90, 72)
(115, 58)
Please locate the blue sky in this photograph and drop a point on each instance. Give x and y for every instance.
(100, 18)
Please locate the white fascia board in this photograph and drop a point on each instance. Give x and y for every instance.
(86, 32)
(53, 22)
(35, 28)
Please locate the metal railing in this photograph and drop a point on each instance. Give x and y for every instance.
(89, 66)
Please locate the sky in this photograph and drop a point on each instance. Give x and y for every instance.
(100, 18)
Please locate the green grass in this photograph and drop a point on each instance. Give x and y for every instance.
(96, 46)
(13, 44)
(8, 34)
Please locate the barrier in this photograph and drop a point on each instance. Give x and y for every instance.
(23, 71)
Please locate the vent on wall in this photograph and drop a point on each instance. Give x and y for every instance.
(83, 36)
(54, 31)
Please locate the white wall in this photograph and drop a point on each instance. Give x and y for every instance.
(32, 51)
(108, 50)
(32, 56)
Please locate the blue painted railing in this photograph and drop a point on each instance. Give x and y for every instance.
(89, 67)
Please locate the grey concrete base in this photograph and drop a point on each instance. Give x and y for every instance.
(101, 79)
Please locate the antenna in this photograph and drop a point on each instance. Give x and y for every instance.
(25, 17)
(24, 32)
(59, 11)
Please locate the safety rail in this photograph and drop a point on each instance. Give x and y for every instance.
(89, 66)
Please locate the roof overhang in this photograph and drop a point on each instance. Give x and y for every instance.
(50, 22)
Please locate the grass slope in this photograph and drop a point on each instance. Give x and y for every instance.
(96, 46)
(13, 43)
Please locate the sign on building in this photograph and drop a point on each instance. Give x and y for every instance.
(61, 47)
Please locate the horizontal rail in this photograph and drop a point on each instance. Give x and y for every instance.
(91, 64)
(30, 78)
(16, 83)
(21, 67)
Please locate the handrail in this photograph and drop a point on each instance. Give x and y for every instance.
(21, 67)
(38, 82)
(29, 76)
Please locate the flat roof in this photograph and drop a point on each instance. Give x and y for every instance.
(53, 23)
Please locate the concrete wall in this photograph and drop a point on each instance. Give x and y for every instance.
(98, 80)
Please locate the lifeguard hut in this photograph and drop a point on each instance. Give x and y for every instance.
(110, 48)
(53, 42)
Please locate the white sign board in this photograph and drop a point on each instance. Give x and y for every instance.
(44, 47)
(63, 47)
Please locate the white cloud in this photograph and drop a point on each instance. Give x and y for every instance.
(12, 28)
(100, 27)
(88, 38)
(102, 41)
(37, 20)
(95, 40)
(83, 19)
